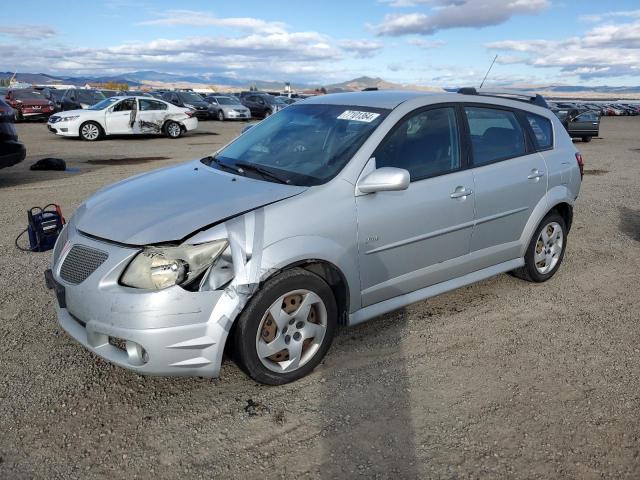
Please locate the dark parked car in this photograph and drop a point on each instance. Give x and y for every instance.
(110, 93)
(11, 150)
(54, 95)
(580, 125)
(190, 100)
(29, 104)
(81, 98)
(262, 104)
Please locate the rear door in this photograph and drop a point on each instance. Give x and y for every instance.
(510, 179)
(151, 116)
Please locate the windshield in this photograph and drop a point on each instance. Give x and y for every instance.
(190, 97)
(303, 144)
(28, 95)
(89, 96)
(271, 99)
(227, 101)
(104, 103)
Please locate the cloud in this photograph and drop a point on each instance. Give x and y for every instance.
(603, 51)
(203, 19)
(28, 32)
(426, 44)
(447, 14)
(361, 48)
(602, 16)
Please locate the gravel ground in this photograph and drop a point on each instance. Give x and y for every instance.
(503, 379)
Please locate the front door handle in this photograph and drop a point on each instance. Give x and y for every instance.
(461, 192)
(535, 174)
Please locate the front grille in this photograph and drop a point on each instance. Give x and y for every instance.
(81, 262)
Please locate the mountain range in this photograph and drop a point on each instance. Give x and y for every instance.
(164, 80)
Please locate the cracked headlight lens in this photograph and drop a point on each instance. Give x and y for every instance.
(156, 268)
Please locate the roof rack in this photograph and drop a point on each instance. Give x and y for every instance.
(532, 98)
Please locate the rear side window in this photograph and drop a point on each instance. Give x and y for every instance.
(426, 144)
(146, 105)
(495, 134)
(542, 131)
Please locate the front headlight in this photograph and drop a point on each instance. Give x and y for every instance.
(70, 118)
(156, 268)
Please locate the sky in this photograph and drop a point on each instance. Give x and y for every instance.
(423, 42)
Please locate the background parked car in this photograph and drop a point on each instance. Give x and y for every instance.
(109, 93)
(228, 108)
(262, 104)
(11, 150)
(583, 125)
(54, 95)
(190, 100)
(29, 104)
(80, 98)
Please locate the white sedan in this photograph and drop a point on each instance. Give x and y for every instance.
(124, 115)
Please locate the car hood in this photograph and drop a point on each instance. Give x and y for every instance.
(70, 113)
(169, 204)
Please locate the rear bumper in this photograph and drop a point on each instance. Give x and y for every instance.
(11, 153)
(190, 123)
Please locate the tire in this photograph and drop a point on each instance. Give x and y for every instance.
(90, 131)
(265, 361)
(221, 116)
(267, 113)
(553, 252)
(586, 139)
(172, 129)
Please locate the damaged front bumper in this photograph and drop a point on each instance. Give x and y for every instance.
(171, 332)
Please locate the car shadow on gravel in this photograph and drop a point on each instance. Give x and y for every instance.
(630, 222)
(365, 397)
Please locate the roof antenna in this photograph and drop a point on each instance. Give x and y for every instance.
(487, 74)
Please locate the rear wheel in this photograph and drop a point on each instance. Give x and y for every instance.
(545, 251)
(586, 139)
(90, 131)
(286, 328)
(172, 129)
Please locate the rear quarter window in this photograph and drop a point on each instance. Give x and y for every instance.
(542, 131)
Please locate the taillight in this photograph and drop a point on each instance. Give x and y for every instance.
(580, 164)
(189, 113)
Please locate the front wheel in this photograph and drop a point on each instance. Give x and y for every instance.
(267, 113)
(172, 129)
(221, 116)
(545, 251)
(90, 131)
(286, 328)
(586, 139)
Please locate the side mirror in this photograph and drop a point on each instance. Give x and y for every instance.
(385, 179)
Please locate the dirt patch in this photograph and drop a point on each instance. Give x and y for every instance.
(125, 161)
(595, 172)
(630, 222)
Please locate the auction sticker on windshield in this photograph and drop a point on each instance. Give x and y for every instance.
(366, 117)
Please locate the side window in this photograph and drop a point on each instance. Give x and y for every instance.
(587, 117)
(146, 105)
(495, 134)
(542, 131)
(426, 144)
(125, 105)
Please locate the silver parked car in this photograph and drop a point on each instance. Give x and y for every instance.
(228, 108)
(333, 211)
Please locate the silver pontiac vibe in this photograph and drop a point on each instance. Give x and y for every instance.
(333, 211)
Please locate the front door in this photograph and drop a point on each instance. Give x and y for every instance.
(414, 238)
(121, 117)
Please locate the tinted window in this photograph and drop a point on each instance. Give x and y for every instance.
(425, 144)
(588, 117)
(495, 134)
(146, 105)
(542, 131)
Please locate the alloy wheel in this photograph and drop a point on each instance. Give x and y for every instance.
(90, 131)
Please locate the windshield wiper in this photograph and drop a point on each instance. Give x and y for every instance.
(262, 171)
(210, 159)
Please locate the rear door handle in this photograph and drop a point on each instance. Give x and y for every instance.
(461, 192)
(535, 174)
